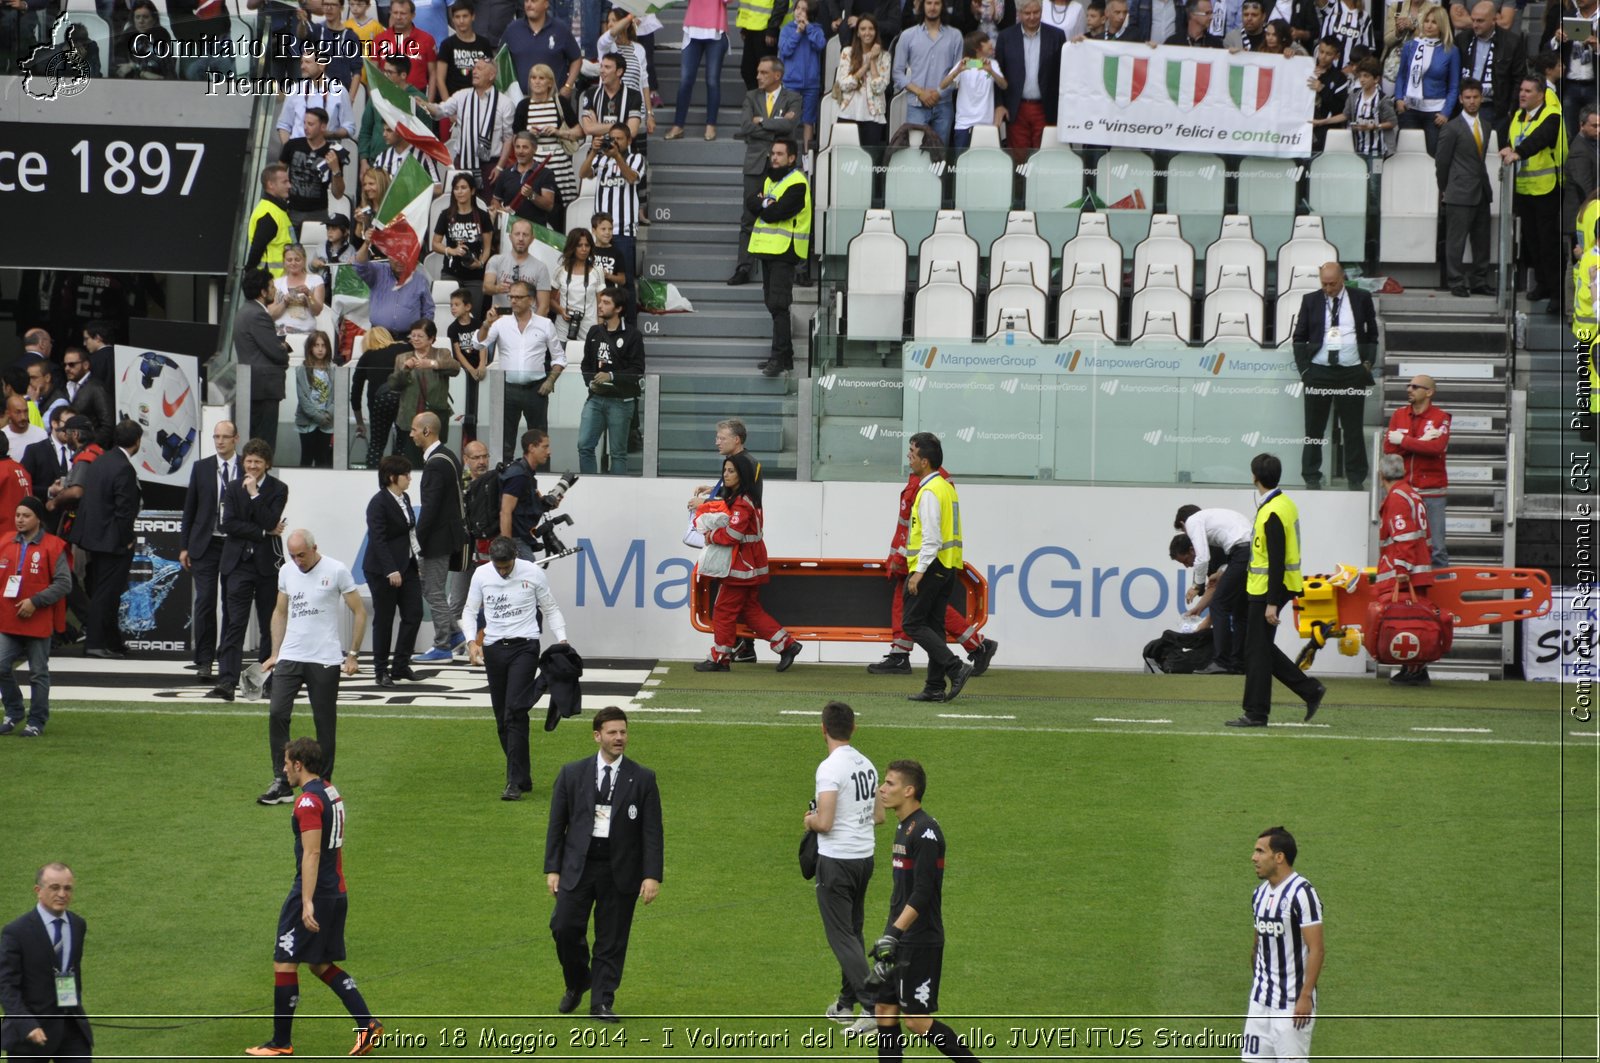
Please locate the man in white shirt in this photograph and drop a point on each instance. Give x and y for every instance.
(1335, 349)
(315, 89)
(532, 357)
(21, 433)
(513, 594)
(481, 122)
(1228, 533)
(845, 810)
(306, 650)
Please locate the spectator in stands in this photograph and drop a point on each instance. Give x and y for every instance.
(422, 380)
(111, 502)
(377, 362)
(1429, 79)
(396, 153)
(1118, 27)
(300, 294)
(361, 21)
(1196, 29)
(147, 52)
(613, 369)
(1251, 36)
(460, 52)
(461, 336)
(1332, 89)
(528, 189)
(200, 29)
(1227, 15)
(1402, 21)
(974, 78)
(801, 46)
(862, 81)
(1465, 191)
(621, 38)
(1370, 116)
(606, 256)
(338, 49)
(1583, 162)
(315, 91)
(1094, 22)
(781, 241)
(493, 16)
(770, 112)
(390, 565)
(705, 40)
(759, 22)
(1496, 58)
(259, 349)
(1155, 20)
(370, 143)
(270, 228)
(480, 122)
(531, 354)
(86, 393)
(394, 304)
(316, 169)
(1419, 433)
(403, 38)
(20, 432)
(1280, 40)
(552, 119)
(1305, 20)
(536, 39)
(313, 411)
(921, 57)
(337, 249)
(433, 18)
(1350, 22)
(464, 234)
(1030, 56)
(1577, 57)
(516, 264)
(617, 171)
(578, 283)
(611, 101)
(374, 186)
(1536, 135)
(885, 14)
(1335, 348)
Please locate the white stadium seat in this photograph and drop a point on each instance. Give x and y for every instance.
(955, 247)
(1156, 302)
(876, 283)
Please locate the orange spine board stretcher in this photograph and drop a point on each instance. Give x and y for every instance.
(870, 593)
(1331, 605)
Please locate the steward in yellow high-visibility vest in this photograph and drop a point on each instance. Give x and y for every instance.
(1538, 142)
(933, 559)
(270, 228)
(759, 22)
(1274, 581)
(1587, 229)
(780, 240)
(1583, 308)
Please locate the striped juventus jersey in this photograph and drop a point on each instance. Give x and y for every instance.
(1281, 913)
(1352, 27)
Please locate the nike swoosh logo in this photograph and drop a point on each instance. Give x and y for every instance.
(172, 407)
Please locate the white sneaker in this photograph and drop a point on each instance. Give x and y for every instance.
(862, 1026)
(841, 1013)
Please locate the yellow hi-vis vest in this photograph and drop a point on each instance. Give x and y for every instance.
(1536, 175)
(1594, 381)
(949, 524)
(272, 257)
(774, 237)
(1586, 220)
(1583, 309)
(1256, 584)
(754, 14)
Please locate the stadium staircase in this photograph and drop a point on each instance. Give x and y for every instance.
(1462, 343)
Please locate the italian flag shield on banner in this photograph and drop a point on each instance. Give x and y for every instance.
(404, 218)
(1187, 83)
(1250, 87)
(1125, 77)
(398, 110)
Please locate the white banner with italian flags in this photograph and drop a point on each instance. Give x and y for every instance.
(1185, 99)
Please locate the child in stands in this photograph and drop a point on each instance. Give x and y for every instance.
(975, 78)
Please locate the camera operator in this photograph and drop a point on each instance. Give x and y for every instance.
(618, 172)
(613, 368)
(522, 508)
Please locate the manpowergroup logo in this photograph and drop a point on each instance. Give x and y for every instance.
(1212, 363)
(1153, 438)
(924, 356)
(1009, 386)
(966, 434)
(1068, 360)
(1295, 390)
(871, 432)
(1201, 388)
(61, 68)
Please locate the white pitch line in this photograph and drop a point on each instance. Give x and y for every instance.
(971, 716)
(799, 712)
(650, 708)
(1458, 730)
(1584, 734)
(651, 683)
(1119, 719)
(1302, 723)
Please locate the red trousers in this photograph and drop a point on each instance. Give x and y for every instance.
(1027, 129)
(956, 628)
(740, 603)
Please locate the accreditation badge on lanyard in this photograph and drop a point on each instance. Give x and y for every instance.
(66, 991)
(1333, 323)
(14, 581)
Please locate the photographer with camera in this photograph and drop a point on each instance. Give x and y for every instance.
(613, 368)
(532, 356)
(618, 171)
(523, 508)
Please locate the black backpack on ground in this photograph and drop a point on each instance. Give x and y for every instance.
(1179, 653)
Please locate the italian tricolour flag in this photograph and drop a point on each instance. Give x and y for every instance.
(1250, 87)
(1187, 82)
(1124, 77)
(403, 217)
(398, 109)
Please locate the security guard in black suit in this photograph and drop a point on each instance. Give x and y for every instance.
(603, 851)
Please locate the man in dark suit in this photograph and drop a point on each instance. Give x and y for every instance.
(603, 851)
(441, 534)
(85, 393)
(1496, 58)
(257, 345)
(203, 539)
(1465, 191)
(1030, 58)
(252, 520)
(43, 1018)
(99, 339)
(770, 113)
(1335, 348)
(48, 460)
(104, 528)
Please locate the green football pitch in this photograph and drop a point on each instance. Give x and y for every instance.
(1096, 891)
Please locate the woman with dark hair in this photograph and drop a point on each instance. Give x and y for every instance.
(1280, 39)
(861, 83)
(578, 282)
(313, 412)
(464, 234)
(144, 49)
(390, 565)
(738, 597)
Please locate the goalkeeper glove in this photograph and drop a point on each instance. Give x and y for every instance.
(884, 948)
(879, 974)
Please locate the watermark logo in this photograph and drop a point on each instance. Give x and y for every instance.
(966, 434)
(1213, 362)
(1250, 439)
(1110, 386)
(870, 432)
(919, 384)
(1153, 438)
(1009, 386)
(826, 382)
(56, 70)
(1201, 388)
(1295, 390)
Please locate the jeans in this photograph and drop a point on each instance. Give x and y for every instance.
(613, 417)
(592, 13)
(941, 117)
(197, 68)
(38, 651)
(713, 52)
